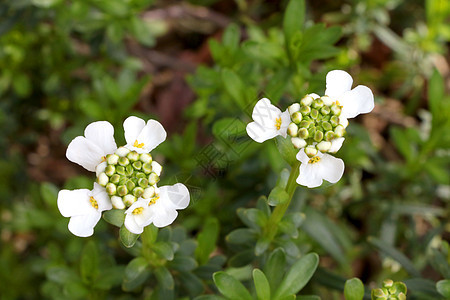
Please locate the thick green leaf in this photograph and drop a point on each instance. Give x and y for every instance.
(127, 238)
(274, 267)
(298, 276)
(402, 143)
(293, 20)
(231, 37)
(308, 297)
(286, 149)
(241, 236)
(262, 286)
(136, 272)
(230, 287)
(89, 264)
(191, 283)
(183, 263)
(164, 278)
(206, 240)
(164, 250)
(235, 87)
(277, 196)
(354, 289)
(436, 91)
(443, 287)
(115, 217)
(422, 286)
(61, 274)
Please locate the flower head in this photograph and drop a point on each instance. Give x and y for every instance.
(269, 121)
(161, 210)
(317, 167)
(143, 137)
(91, 149)
(84, 208)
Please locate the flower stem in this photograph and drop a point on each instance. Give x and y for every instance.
(280, 210)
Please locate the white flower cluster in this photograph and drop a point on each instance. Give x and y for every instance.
(126, 178)
(316, 126)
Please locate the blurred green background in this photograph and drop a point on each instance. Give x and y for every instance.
(198, 67)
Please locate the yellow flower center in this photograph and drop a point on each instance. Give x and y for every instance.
(137, 144)
(103, 158)
(153, 200)
(314, 160)
(338, 104)
(94, 202)
(137, 211)
(278, 123)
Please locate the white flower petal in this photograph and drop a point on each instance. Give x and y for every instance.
(133, 127)
(285, 121)
(357, 101)
(156, 168)
(343, 121)
(259, 133)
(102, 134)
(74, 203)
(177, 195)
(336, 144)
(265, 114)
(302, 157)
(131, 225)
(151, 136)
(100, 168)
(163, 218)
(338, 82)
(83, 225)
(85, 153)
(308, 175)
(330, 168)
(314, 95)
(102, 198)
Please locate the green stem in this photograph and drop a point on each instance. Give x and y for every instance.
(280, 210)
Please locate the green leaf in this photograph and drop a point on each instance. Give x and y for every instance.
(61, 274)
(354, 289)
(278, 196)
(298, 276)
(274, 267)
(164, 250)
(425, 286)
(231, 37)
(109, 277)
(402, 143)
(293, 20)
(443, 287)
(207, 240)
(261, 245)
(89, 264)
(286, 149)
(165, 278)
(127, 238)
(49, 193)
(234, 87)
(230, 287)
(191, 282)
(394, 254)
(436, 91)
(308, 297)
(136, 273)
(115, 217)
(262, 286)
(252, 217)
(183, 263)
(277, 84)
(241, 236)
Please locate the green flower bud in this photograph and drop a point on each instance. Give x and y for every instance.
(298, 142)
(110, 170)
(122, 151)
(305, 124)
(102, 179)
(307, 100)
(296, 117)
(292, 129)
(122, 190)
(314, 113)
(133, 156)
(378, 293)
(303, 133)
(117, 202)
(325, 110)
(111, 189)
(147, 168)
(130, 185)
(334, 121)
(318, 136)
(129, 170)
(323, 146)
(129, 200)
(326, 126)
(120, 170)
(317, 103)
(153, 178)
(145, 158)
(137, 165)
(123, 180)
(140, 175)
(305, 110)
(311, 151)
(112, 159)
(143, 182)
(335, 109)
(329, 136)
(149, 192)
(339, 131)
(327, 100)
(115, 178)
(388, 283)
(294, 108)
(401, 296)
(123, 161)
(138, 192)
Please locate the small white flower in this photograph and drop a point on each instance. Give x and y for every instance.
(142, 137)
(161, 210)
(353, 101)
(84, 208)
(91, 149)
(269, 121)
(318, 168)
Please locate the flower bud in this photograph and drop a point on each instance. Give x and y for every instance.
(147, 167)
(314, 113)
(138, 192)
(137, 165)
(153, 178)
(292, 129)
(388, 283)
(305, 110)
(117, 202)
(112, 159)
(343, 121)
(298, 142)
(311, 151)
(123, 180)
(296, 117)
(123, 161)
(326, 126)
(378, 293)
(115, 178)
(323, 146)
(305, 124)
(133, 156)
(120, 170)
(317, 103)
(149, 192)
(143, 182)
(307, 100)
(130, 185)
(110, 170)
(102, 179)
(139, 175)
(325, 110)
(339, 131)
(129, 170)
(334, 120)
(129, 200)
(329, 136)
(145, 158)
(401, 296)
(294, 108)
(156, 168)
(335, 109)
(122, 190)
(318, 136)
(303, 133)
(111, 189)
(327, 100)
(122, 151)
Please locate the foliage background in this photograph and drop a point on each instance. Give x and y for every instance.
(199, 67)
